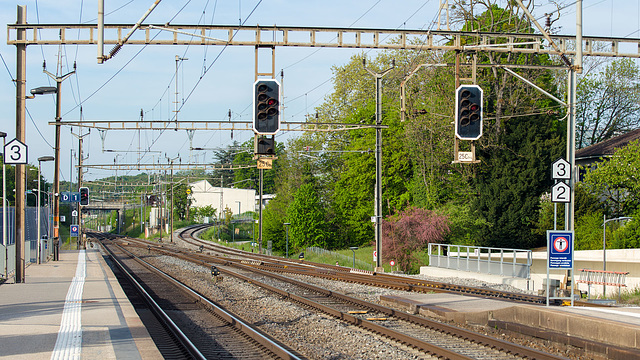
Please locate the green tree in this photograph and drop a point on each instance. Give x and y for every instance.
(626, 236)
(199, 213)
(588, 231)
(249, 177)
(616, 178)
(308, 226)
(273, 219)
(181, 201)
(608, 103)
(223, 177)
(512, 178)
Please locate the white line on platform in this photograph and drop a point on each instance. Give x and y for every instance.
(617, 312)
(69, 342)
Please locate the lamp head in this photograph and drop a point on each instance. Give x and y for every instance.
(46, 158)
(42, 90)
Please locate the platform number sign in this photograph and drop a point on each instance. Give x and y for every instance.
(560, 249)
(560, 193)
(15, 153)
(561, 170)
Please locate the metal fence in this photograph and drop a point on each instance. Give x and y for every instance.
(486, 260)
(320, 251)
(8, 255)
(8, 250)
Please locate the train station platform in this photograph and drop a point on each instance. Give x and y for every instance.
(614, 331)
(73, 308)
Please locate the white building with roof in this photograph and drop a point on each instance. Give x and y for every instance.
(238, 200)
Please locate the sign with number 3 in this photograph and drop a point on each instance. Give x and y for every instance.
(15, 152)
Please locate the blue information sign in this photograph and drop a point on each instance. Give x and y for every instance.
(69, 197)
(560, 249)
(65, 197)
(73, 229)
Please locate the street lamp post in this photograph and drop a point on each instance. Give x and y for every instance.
(40, 160)
(56, 171)
(286, 229)
(604, 247)
(353, 249)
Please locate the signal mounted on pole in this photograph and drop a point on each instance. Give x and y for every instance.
(266, 107)
(84, 196)
(468, 122)
(264, 145)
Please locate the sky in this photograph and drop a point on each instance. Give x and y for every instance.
(140, 77)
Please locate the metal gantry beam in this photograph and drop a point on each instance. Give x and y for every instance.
(166, 166)
(209, 125)
(361, 38)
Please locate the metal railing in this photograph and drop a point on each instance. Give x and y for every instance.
(604, 278)
(8, 255)
(320, 251)
(486, 260)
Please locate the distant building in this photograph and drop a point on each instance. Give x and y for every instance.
(238, 200)
(604, 149)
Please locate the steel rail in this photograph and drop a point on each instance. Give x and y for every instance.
(237, 323)
(484, 340)
(157, 310)
(278, 264)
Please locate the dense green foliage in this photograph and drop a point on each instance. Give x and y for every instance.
(617, 179)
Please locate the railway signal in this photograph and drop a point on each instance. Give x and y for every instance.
(266, 107)
(468, 112)
(265, 145)
(84, 196)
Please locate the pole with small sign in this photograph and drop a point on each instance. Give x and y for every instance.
(560, 244)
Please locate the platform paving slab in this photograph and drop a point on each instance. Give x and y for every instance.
(617, 326)
(31, 312)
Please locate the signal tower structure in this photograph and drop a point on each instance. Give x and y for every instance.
(266, 122)
(468, 114)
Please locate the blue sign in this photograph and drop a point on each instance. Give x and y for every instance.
(74, 230)
(69, 197)
(560, 249)
(65, 197)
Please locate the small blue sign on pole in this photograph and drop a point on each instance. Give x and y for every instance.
(69, 197)
(560, 249)
(65, 197)
(73, 229)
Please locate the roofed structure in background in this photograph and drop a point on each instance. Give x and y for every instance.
(603, 149)
(237, 200)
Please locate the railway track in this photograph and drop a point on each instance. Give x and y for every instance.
(369, 278)
(197, 328)
(429, 336)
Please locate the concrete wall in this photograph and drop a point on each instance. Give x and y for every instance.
(623, 260)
